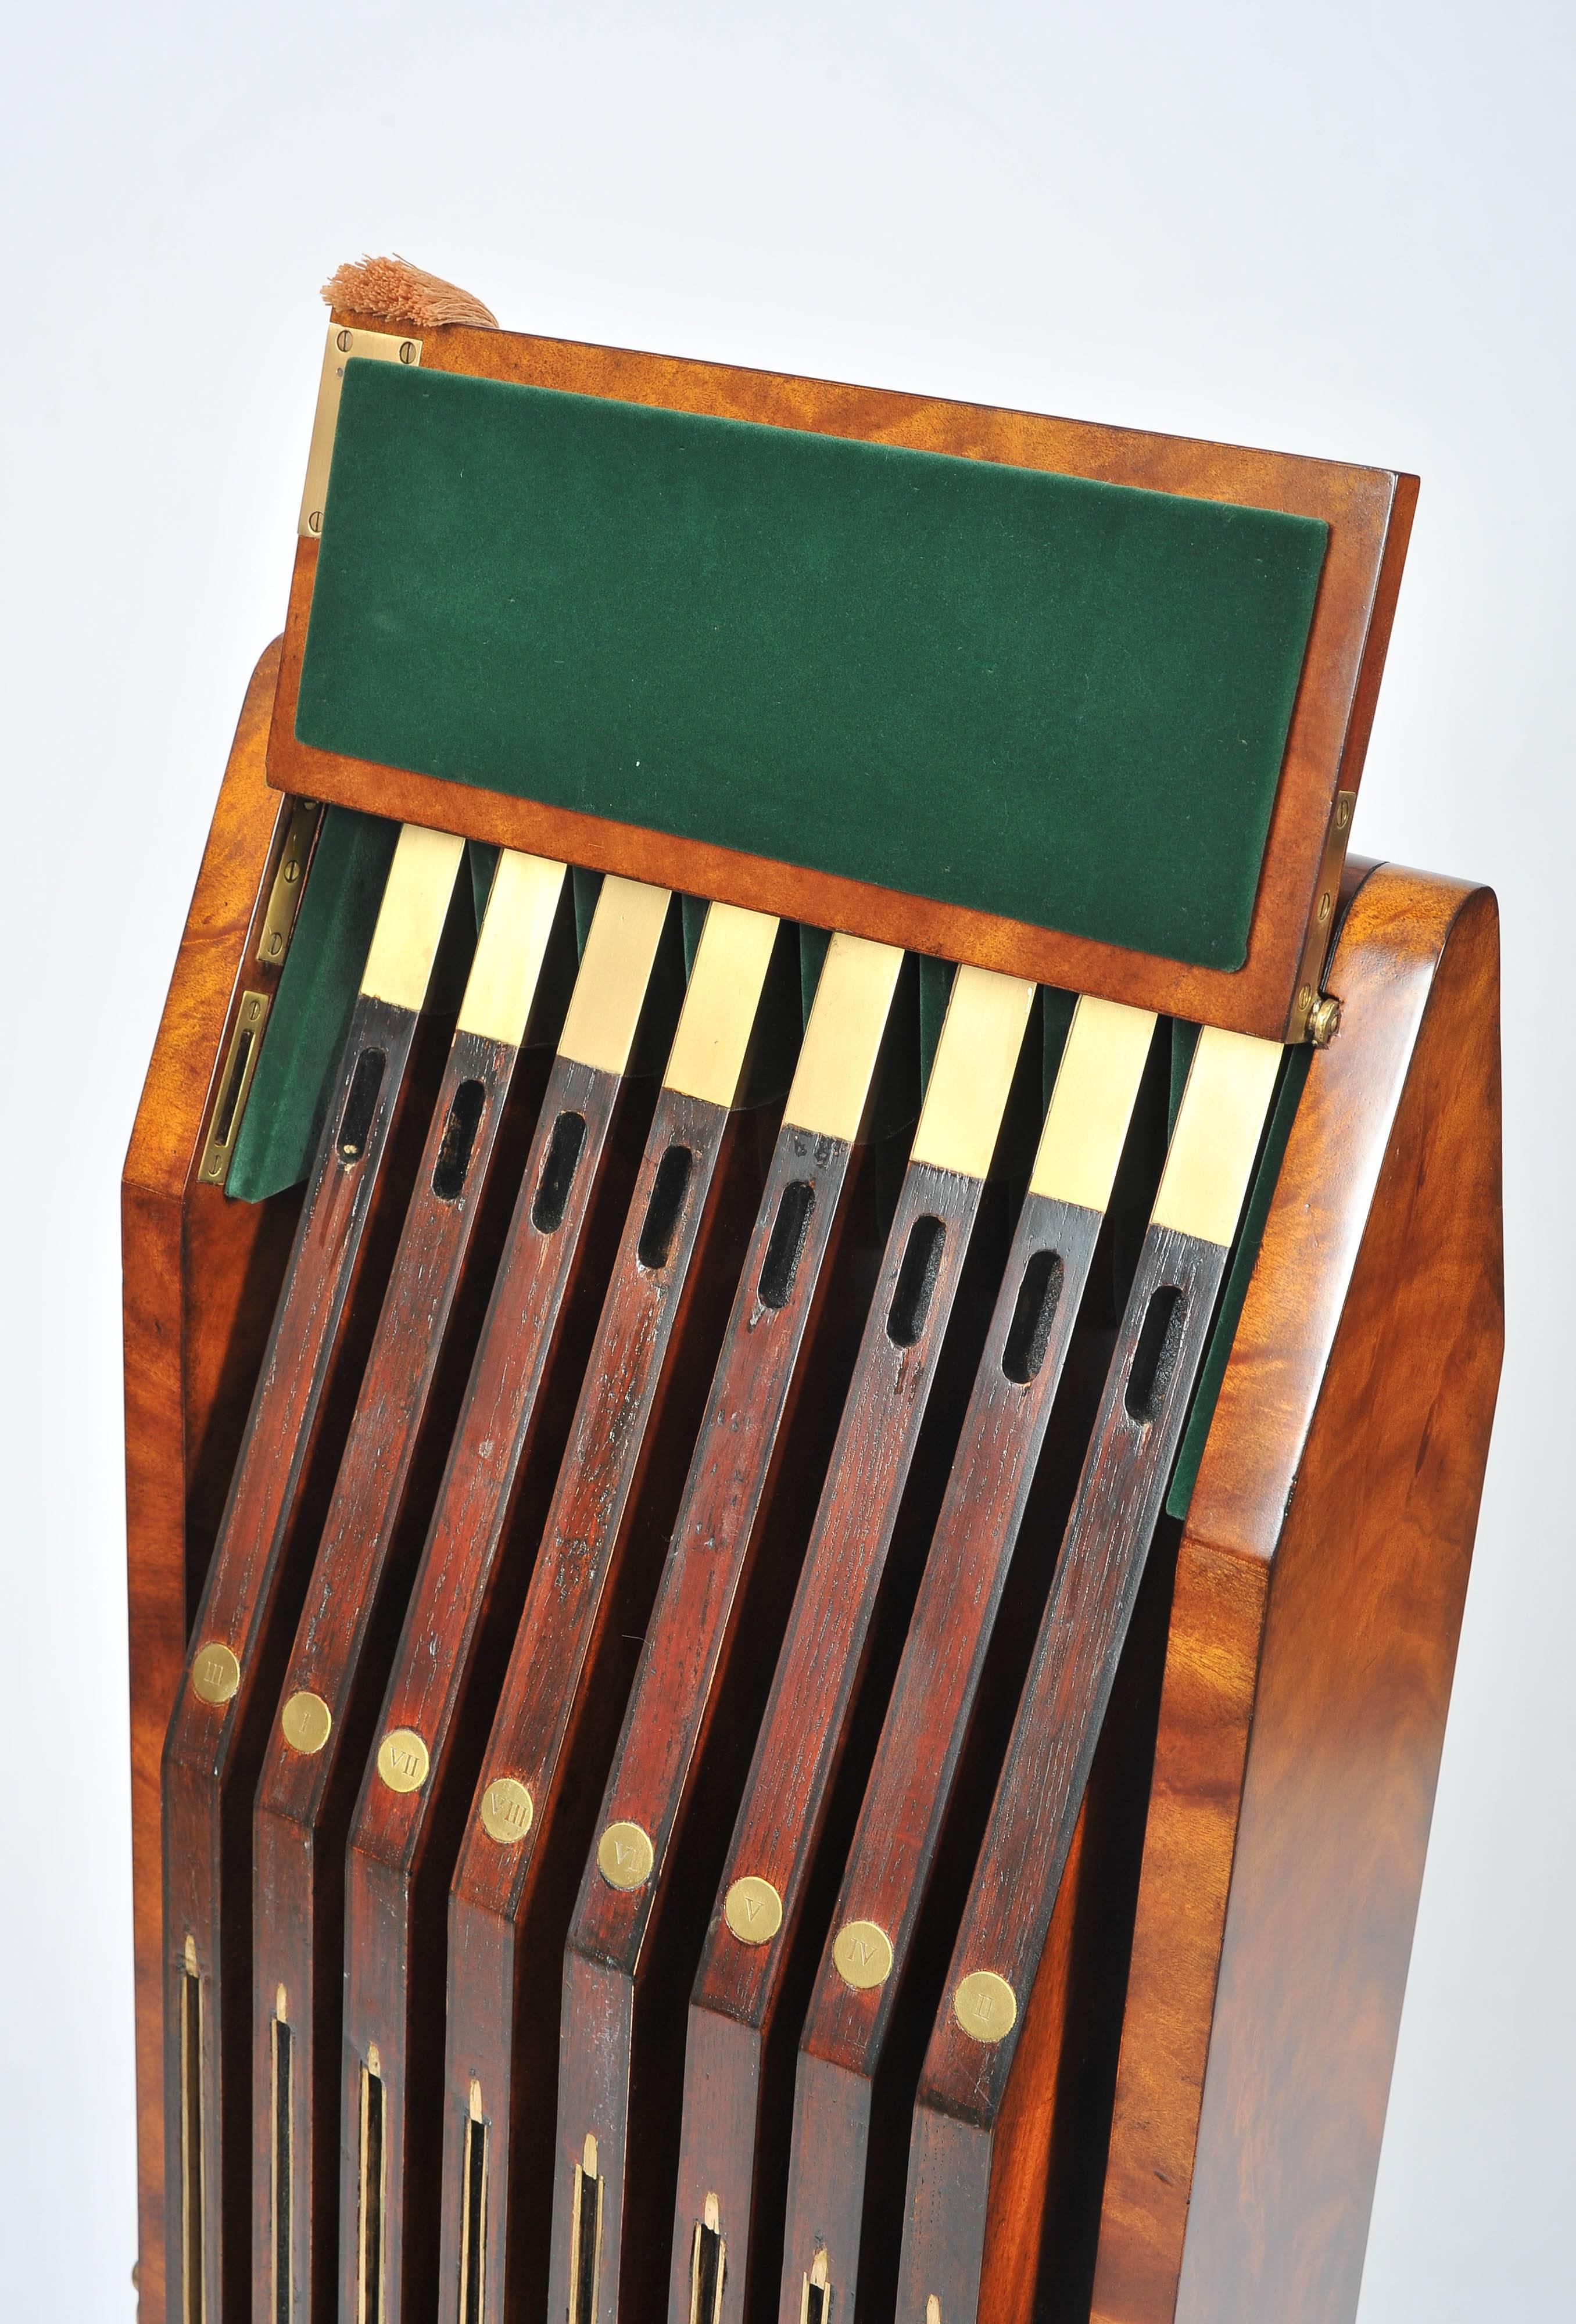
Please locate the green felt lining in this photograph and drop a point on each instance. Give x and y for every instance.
(1031, 694)
(318, 986)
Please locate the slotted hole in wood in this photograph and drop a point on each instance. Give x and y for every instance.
(563, 1156)
(233, 1087)
(282, 2066)
(1029, 1334)
(916, 1282)
(193, 2298)
(459, 1136)
(816, 2304)
(584, 2246)
(355, 1123)
(663, 1210)
(784, 1251)
(370, 2305)
(1154, 1357)
(473, 2254)
(705, 2275)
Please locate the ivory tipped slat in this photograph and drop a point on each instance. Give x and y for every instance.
(358, 1183)
(894, 1850)
(338, 1663)
(997, 1954)
(558, 1719)
(554, 1392)
(740, 1532)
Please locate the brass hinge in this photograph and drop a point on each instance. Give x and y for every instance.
(234, 1084)
(285, 895)
(376, 347)
(1314, 1016)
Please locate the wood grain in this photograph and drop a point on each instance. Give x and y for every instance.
(657, 1326)
(200, 1276)
(736, 2091)
(1318, 1604)
(300, 1411)
(1369, 514)
(377, 1516)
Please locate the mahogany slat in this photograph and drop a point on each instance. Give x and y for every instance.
(600, 1399)
(377, 1518)
(737, 2095)
(1041, 1788)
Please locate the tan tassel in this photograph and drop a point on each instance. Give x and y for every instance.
(392, 290)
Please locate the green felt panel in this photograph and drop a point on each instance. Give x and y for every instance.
(1294, 1073)
(1031, 694)
(318, 986)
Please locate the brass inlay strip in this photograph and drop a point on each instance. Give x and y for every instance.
(708, 2259)
(415, 906)
(1092, 1104)
(511, 947)
(379, 347)
(374, 2181)
(281, 2189)
(193, 2288)
(976, 1059)
(584, 2236)
(610, 991)
(842, 1039)
(235, 1088)
(285, 895)
(474, 2216)
(1216, 1139)
(718, 1016)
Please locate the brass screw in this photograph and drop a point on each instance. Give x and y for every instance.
(1324, 908)
(343, 342)
(1324, 1022)
(407, 351)
(1305, 999)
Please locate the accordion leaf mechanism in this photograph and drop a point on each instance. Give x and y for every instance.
(813, 1305)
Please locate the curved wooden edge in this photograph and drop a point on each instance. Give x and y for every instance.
(191, 1264)
(1369, 511)
(1314, 1622)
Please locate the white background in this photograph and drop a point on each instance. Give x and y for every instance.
(1341, 231)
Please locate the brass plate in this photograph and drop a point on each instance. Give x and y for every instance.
(625, 1856)
(511, 947)
(235, 1088)
(985, 2005)
(507, 1810)
(752, 1910)
(378, 347)
(415, 906)
(862, 1953)
(215, 1672)
(285, 895)
(1218, 1127)
(1092, 1104)
(610, 991)
(718, 1015)
(402, 1759)
(976, 1059)
(843, 1036)
(306, 1722)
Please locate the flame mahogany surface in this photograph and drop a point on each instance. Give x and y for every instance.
(1267, 1880)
